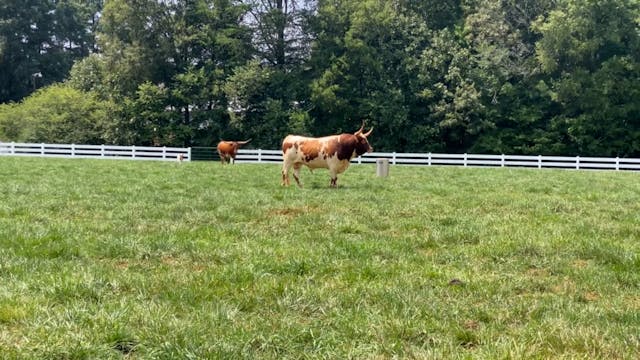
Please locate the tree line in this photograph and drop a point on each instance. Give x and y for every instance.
(478, 76)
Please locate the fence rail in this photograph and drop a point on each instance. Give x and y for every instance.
(475, 160)
(275, 156)
(95, 151)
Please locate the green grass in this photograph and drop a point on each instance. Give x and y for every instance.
(116, 259)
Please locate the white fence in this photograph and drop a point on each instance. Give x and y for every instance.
(275, 156)
(476, 160)
(95, 151)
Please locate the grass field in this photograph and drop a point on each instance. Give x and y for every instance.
(111, 259)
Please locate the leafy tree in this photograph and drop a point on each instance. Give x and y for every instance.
(501, 47)
(456, 111)
(268, 95)
(181, 50)
(366, 70)
(57, 114)
(280, 30)
(40, 40)
(591, 50)
(436, 14)
(260, 108)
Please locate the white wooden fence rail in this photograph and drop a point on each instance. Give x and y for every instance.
(275, 156)
(476, 160)
(95, 151)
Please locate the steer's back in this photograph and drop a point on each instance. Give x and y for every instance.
(226, 147)
(309, 151)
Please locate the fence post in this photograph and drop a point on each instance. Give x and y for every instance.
(259, 155)
(429, 159)
(539, 161)
(502, 161)
(41, 148)
(464, 162)
(189, 153)
(164, 153)
(393, 158)
(12, 148)
(382, 167)
(73, 150)
(577, 162)
(617, 163)
(133, 151)
(102, 150)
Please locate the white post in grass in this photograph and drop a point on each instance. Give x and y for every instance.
(102, 150)
(73, 150)
(41, 148)
(189, 153)
(539, 161)
(12, 148)
(164, 153)
(133, 151)
(382, 167)
(578, 162)
(617, 163)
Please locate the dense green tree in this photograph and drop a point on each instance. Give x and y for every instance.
(269, 95)
(259, 106)
(501, 45)
(185, 50)
(280, 30)
(453, 96)
(366, 69)
(40, 40)
(436, 14)
(591, 50)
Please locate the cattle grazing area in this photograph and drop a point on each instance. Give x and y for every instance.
(145, 259)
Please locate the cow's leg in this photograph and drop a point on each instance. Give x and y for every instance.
(334, 178)
(285, 173)
(296, 173)
(221, 155)
(232, 158)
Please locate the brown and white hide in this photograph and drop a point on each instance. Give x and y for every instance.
(330, 152)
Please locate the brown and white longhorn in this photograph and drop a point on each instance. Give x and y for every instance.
(330, 152)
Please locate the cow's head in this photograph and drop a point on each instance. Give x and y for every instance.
(362, 144)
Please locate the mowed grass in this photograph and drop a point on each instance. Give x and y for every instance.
(116, 259)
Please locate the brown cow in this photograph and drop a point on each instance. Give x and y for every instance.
(229, 149)
(330, 152)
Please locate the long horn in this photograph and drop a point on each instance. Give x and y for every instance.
(243, 142)
(368, 133)
(361, 128)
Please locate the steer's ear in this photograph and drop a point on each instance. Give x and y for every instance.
(368, 132)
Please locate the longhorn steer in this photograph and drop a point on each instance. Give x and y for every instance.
(330, 152)
(229, 149)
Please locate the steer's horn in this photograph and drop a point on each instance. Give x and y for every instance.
(243, 142)
(368, 132)
(361, 128)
